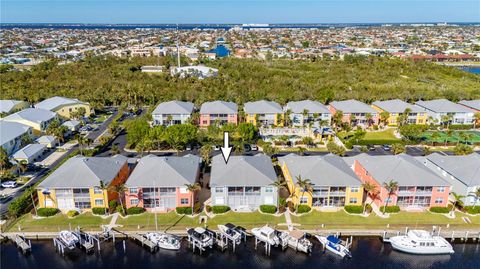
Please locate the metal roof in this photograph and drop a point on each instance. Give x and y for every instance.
(11, 130)
(443, 106)
(57, 101)
(311, 106)
(352, 106)
(219, 107)
(262, 107)
(464, 168)
(475, 104)
(397, 106)
(36, 115)
(174, 107)
(28, 151)
(7, 105)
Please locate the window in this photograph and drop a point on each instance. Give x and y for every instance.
(134, 201)
(441, 189)
(353, 200)
(303, 200)
(219, 190)
(97, 190)
(99, 202)
(184, 201)
(133, 190)
(354, 189)
(439, 201)
(268, 189)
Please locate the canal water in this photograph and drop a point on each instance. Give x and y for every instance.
(368, 253)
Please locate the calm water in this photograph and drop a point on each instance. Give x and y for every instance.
(368, 253)
(474, 70)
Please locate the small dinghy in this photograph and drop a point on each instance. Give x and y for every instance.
(165, 241)
(334, 245)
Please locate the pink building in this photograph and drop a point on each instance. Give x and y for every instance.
(418, 187)
(356, 108)
(160, 183)
(218, 112)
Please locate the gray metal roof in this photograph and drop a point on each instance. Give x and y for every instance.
(7, 105)
(28, 151)
(157, 171)
(311, 106)
(352, 106)
(219, 107)
(262, 107)
(475, 104)
(46, 139)
(242, 171)
(397, 106)
(403, 168)
(443, 106)
(36, 115)
(71, 123)
(84, 172)
(328, 170)
(57, 101)
(174, 107)
(465, 168)
(11, 130)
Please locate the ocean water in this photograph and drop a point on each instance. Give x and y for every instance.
(368, 253)
(474, 70)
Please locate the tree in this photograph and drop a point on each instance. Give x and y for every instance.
(462, 149)
(476, 195)
(279, 184)
(369, 117)
(305, 186)
(337, 119)
(370, 189)
(426, 151)
(301, 150)
(205, 152)
(391, 188)
(4, 160)
(384, 116)
(457, 199)
(412, 132)
(104, 188)
(81, 140)
(398, 148)
(434, 137)
(179, 135)
(192, 188)
(119, 189)
(335, 149)
(446, 120)
(476, 118)
(269, 149)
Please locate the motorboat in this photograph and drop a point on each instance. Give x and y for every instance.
(203, 237)
(266, 234)
(165, 241)
(230, 232)
(420, 242)
(68, 238)
(335, 245)
(298, 241)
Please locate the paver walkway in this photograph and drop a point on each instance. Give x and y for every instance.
(288, 220)
(113, 221)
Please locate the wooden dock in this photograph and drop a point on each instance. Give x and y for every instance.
(21, 242)
(141, 239)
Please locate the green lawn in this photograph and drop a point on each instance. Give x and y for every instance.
(400, 220)
(387, 134)
(246, 220)
(59, 222)
(455, 137)
(165, 220)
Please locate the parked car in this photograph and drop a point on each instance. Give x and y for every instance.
(370, 147)
(246, 147)
(9, 184)
(254, 147)
(386, 147)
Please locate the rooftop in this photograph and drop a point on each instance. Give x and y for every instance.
(174, 107)
(262, 107)
(11, 130)
(475, 104)
(464, 168)
(36, 115)
(443, 106)
(352, 106)
(311, 106)
(397, 106)
(7, 105)
(56, 102)
(219, 107)
(28, 151)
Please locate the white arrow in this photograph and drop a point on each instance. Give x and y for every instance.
(226, 149)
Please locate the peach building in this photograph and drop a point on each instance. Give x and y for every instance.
(354, 112)
(218, 112)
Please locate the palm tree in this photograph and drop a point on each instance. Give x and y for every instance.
(102, 186)
(448, 133)
(305, 185)
(279, 184)
(370, 189)
(119, 189)
(305, 117)
(476, 194)
(435, 136)
(384, 116)
(205, 152)
(81, 142)
(368, 117)
(192, 188)
(391, 188)
(456, 200)
(476, 118)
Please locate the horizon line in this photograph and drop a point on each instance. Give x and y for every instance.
(237, 23)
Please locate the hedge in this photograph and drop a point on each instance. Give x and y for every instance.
(269, 209)
(472, 210)
(184, 210)
(303, 209)
(72, 213)
(439, 209)
(47, 212)
(354, 209)
(113, 204)
(219, 209)
(135, 210)
(390, 209)
(99, 210)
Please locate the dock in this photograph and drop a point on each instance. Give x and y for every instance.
(143, 241)
(25, 245)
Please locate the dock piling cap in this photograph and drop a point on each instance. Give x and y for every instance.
(199, 230)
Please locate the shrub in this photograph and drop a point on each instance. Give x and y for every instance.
(354, 209)
(112, 204)
(98, 210)
(472, 210)
(72, 213)
(439, 209)
(269, 209)
(219, 209)
(368, 208)
(135, 210)
(120, 209)
(184, 210)
(303, 209)
(208, 208)
(390, 209)
(47, 212)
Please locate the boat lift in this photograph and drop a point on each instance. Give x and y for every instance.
(21, 242)
(223, 239)
(196, 243)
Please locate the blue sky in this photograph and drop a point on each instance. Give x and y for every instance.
(238, 11)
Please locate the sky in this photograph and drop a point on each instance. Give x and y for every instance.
(238, 11)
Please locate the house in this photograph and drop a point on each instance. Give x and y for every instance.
(474, 105)
(10, 106)
(304, 112)
(447, 112)
(354, 112)
(396, 108)
(159, 183)
(263, 113)
(199, 71)
(29, 154)
(65, 107)
(244, 183)
(462, 172)
(37, 118)
(334, 182)
(72, 125)
(48, 141)
(152, 69)
(418, 186)
(13, 134)
(75, 185)
(218, 112)
(172, 112)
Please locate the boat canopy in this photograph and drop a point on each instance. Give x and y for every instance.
(333, 239)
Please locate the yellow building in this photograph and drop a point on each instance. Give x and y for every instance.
(65, 107)
(264, 113)
(76, 184)
(8, 107)
(396, 107)
(334, 184)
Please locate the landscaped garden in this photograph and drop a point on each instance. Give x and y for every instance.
(59, 222)
(386, 136)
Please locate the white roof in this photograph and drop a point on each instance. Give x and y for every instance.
(28, 151)
(11, 130)
(46, 139)
(311, 106)
(36, 115)
(56, 102)
(262, 107)
(219, 107)
(352, 106)
(71, 123)
(7, 105)
(444, 106)
(174, 107)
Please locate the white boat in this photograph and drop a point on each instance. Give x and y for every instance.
(297, 241)
(68, 238)
(334, 245)
(421, 242)
(266, 234)
(230, 233)
(165, 241)
(203, 237)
